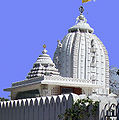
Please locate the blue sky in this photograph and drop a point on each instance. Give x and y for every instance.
(25, 25)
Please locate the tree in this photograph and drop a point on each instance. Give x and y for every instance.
(82, 109)
(114, 80)
(3, 99)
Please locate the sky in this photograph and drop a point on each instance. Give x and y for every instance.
(25, 25)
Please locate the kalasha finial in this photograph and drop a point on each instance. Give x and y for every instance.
(81, 17)
(44, 46)
(81, 9)
(44, 51)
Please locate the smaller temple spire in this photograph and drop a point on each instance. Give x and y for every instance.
(43, 66)
(44, 51)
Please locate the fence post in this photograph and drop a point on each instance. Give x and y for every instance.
(26, 110)
(14, 111)
(70, 101)
(22, 110)
(63, 104)
(118, 111)
(18, 110)
(98, 112)
(31, 110)
(57, 107)
(7, 111)
(36, 110)
(41, 117)
(46, 112)
(0, 111)
(10, 111)
(3, 111)
(52, 109)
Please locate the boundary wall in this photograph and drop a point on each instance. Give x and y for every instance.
(48, 108)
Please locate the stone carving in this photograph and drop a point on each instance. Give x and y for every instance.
(59, 44)
(92, 43)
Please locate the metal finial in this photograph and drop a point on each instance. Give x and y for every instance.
(81, 9)
(44, 51)
(44, 46)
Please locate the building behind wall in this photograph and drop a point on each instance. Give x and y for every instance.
(80, 65)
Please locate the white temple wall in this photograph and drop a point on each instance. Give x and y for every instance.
(54, 90)
(87, 91)
(48, 90)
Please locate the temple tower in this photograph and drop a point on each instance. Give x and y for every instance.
(82, 55)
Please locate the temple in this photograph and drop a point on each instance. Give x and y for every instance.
(80, 65)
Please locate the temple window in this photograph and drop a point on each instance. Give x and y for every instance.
(28, 94)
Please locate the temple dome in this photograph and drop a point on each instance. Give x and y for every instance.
(82, 55)
(43, 66)
(82, 25)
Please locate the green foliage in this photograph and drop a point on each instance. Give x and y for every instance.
(81, 109)
(3, 99)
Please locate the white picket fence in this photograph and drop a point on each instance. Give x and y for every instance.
(48, 108)
(42, 108)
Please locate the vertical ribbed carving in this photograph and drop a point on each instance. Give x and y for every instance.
(106, 68)
(82, 56)
(68, 56)
(75, 49)
(62, 58)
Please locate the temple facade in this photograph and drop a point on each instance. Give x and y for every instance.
(80, 65)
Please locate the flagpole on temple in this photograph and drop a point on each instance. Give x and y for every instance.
(82, 3)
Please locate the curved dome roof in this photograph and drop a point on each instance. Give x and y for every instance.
(43, 66)
(82, 25)
(82, 55)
